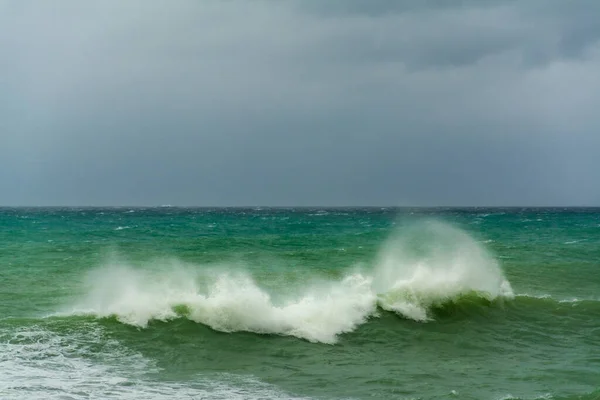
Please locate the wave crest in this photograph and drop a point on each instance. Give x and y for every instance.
(433, 263)
(231, 302)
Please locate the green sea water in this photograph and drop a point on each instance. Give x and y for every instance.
(374, 303)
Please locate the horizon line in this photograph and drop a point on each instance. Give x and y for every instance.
(300, 207)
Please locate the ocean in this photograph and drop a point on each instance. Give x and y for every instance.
(299, 303)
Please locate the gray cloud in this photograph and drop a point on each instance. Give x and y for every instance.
(299, 103)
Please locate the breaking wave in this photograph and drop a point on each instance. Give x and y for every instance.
(427, 266)
(432, 264)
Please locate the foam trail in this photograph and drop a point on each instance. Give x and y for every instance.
(39, 364)
(432, 263)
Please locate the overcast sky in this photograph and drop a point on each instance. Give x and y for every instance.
(337, 102)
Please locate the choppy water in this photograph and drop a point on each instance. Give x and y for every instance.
(169, 303)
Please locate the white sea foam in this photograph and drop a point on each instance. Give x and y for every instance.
(39, 364)
(557, 298)
(534, 296)
(228, 302)
(430, 264)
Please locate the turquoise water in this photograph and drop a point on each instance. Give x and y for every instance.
(170, 303)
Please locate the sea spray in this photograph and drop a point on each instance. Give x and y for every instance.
(227, 302)
(430, 263)
(320, 314)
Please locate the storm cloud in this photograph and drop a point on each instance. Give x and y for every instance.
(340, 102)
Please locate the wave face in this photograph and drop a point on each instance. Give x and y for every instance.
(445, 265)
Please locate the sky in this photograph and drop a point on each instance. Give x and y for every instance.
(300, 103)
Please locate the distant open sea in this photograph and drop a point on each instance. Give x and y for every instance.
(299, 303)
